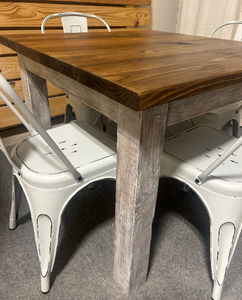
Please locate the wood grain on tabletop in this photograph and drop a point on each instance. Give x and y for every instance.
(139, 69)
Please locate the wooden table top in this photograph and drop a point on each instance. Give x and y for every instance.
(139, 69)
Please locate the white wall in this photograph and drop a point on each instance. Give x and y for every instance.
(164, 13)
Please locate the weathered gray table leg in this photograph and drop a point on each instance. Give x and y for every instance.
(35, 93)
(140, 141)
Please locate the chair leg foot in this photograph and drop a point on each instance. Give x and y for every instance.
(45, 284)
(12, 223)
(217, 291)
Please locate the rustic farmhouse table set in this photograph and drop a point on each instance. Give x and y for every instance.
(145, 81)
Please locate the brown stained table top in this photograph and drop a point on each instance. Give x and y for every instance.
(139, 69)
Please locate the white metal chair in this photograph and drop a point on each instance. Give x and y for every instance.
(51, 167)
(210, 162)
(220, 117)
(74, 22)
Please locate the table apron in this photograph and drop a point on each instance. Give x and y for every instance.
(71, 87)
(186, 108)
(178, 111)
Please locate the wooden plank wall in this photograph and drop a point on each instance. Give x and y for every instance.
(26, 17)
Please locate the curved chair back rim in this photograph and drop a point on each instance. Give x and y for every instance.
(225, 24)
(64, 14)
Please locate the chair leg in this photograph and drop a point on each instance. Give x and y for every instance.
(223, 239)
(91, 186)
(16, 190)
(83, 112)
(226, 220)
(68, 114)
(46, 236)
(46, 208)
(185, 188)
(236, 128)
(104, 122)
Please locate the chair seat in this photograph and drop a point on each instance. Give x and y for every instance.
(191, 152)
(42, 167)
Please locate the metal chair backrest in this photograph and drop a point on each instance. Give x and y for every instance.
(35, 126)
(225, 24)
(203, 176)
(73, 21)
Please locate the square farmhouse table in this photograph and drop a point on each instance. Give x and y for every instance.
(145, 81)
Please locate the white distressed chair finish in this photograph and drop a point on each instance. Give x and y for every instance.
(198, 158)
(220, 117)
(51, 167)
(74, 22)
